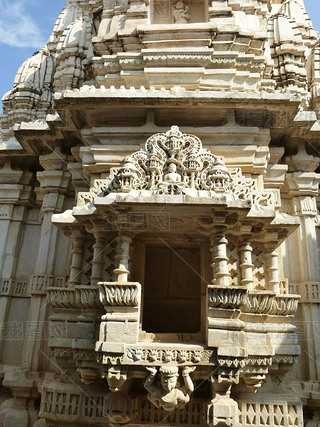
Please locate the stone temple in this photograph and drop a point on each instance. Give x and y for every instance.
(159, 218)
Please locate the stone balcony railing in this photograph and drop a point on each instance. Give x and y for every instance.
(79, 297)
(238, 345)
(252, 301)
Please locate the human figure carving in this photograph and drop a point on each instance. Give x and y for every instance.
(168, 394)
(181, 13)
(172, 176)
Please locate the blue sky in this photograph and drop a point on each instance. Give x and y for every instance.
(25, 25)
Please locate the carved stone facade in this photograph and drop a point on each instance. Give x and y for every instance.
(159, 216)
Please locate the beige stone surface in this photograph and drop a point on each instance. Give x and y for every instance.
(159, 218)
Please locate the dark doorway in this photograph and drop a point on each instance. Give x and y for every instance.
(172, 290)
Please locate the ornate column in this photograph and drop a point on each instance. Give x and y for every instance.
(14, 201)
(122, 258)
(221, 275)
(122, 302)
(272, 266)
(246, 265)
(301, 255)
(77, 253)
(54, 183)
(98, 255)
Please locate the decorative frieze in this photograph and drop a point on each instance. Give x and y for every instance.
(62, 298)
(259, 302)
(119, 294)
(79, 297)
(87, 297)
(229, 297)
(285, 305)
(254, 302)
(166, 354)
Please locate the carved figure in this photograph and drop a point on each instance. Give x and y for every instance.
(181, 13)
(172, 181)
(168, 394)
(172, 176)
(155, 168)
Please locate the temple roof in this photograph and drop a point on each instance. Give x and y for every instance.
(236, 46)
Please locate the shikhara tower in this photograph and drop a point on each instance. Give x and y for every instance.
(159, 220)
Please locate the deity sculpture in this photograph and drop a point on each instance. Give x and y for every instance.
(172, 176)
(172, 181)
(181, 13)
(169, 395)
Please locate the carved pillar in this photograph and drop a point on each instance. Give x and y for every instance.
(122, 258)
(15, 189)
(54, 182)
(77, 254)
(98, 256)
(302, 262)
(221, 275)
(121, 300)
(246, 265)
(272, 267)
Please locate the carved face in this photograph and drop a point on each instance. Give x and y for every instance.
(168, 382)
(180, 5)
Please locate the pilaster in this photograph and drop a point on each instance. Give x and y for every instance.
(301, 257)
(54, 185)
(15, 197)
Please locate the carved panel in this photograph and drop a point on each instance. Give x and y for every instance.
(87, 297)
(259, 302)
(228, 298)
(62, 298)
(158, 355)
(285, 305)
(174, 163)
(270, 415)
(118, 294)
